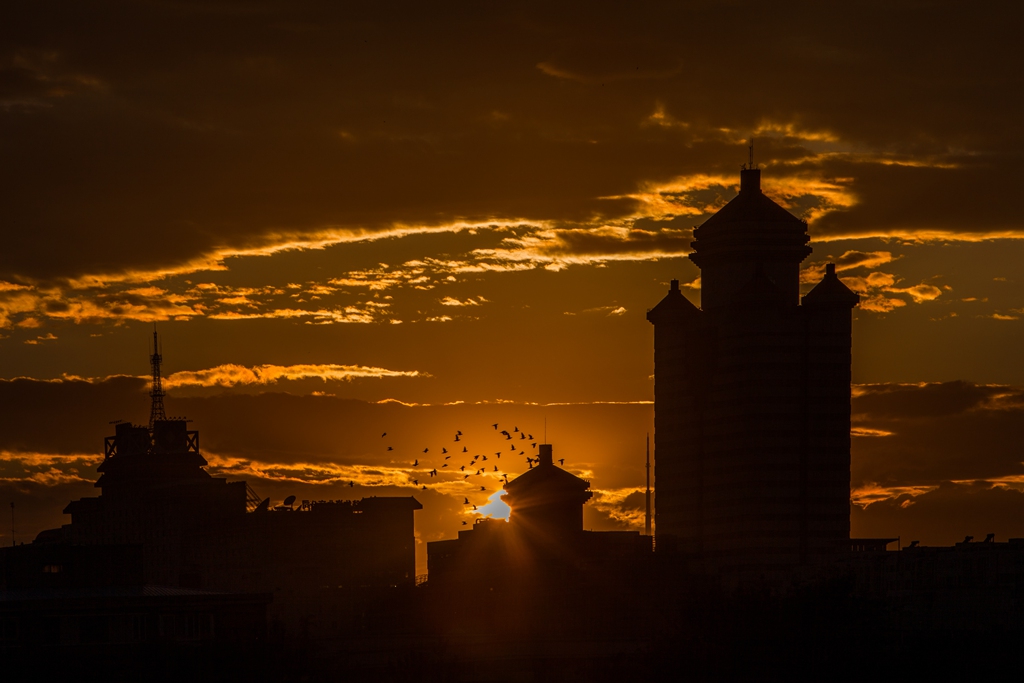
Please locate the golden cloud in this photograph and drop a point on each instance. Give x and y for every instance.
(229, 375)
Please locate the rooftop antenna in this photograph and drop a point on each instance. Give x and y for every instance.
(751, 148)
(647, 517)
(156, 411)
(545, 429)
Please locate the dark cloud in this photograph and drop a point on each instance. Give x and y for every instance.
(173, 130)
(938, 432)
(945, 515)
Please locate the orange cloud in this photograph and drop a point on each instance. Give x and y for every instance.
(230, 375)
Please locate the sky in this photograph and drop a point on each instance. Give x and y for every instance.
(348, 219)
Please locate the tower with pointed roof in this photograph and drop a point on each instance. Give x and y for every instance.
(752, 400)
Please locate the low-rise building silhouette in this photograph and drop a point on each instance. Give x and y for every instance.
(199, 532)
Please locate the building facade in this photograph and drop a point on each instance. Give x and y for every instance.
(752, 400)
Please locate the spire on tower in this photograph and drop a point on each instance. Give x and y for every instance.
(156, 411)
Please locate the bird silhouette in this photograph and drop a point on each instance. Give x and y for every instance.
(504, 432)
(495, 425)
(458, 432)
(415, 482)
(533, 445)
(465, 523)
(383, 435)
(465, 450)
(485, 458)
(465, 476)
(483, 488)
(498, 454)
(351, 483)
(520, 452)
(424, 488)
(457, 438)
(416, 463)
(513, 447)
(433, 473)
(447, 456)
(390, 448)
(508, 437)
(426, 450)
(495, 468)
(465, 501)
(462, 469)
(561, 461)
(530, 437)
(516, 429)
(474, 507)
(522, 435)
(443, 451)
(444, 465)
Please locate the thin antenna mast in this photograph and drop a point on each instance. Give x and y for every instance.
(156, 411)
(751, 148)
(647, 517)
(12, 524)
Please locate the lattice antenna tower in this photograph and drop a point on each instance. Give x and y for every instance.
(156, 411)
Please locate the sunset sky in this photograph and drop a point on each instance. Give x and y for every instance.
(354, 219)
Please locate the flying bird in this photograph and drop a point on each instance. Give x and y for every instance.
(495, 468)
(447, 456)
(465, 523)
(416, 463)
(462, 469)
(522, 435)
(561, 461)
(465, 501)
(465, 450)
(424, 488)
(533, 445)
(383, 435)
(474, 507)
(456, 437)
(433, 473)
(520, 452)
(530, 437)
(444, 465)
(495, 425)
(390, 448)
(351, 483)
(426, 450)
(516, 429)
(443, 451)
(415, 482)
(483, 488)
(485, 458)
(458, 432)
(513, 447)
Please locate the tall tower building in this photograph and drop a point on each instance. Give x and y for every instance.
(752, 399)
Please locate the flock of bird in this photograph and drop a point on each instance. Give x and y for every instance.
(437, 463)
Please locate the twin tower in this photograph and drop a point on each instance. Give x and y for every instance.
(752, 400)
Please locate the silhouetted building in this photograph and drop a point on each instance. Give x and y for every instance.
(542, 543)
(200, 532)
(752, 400)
